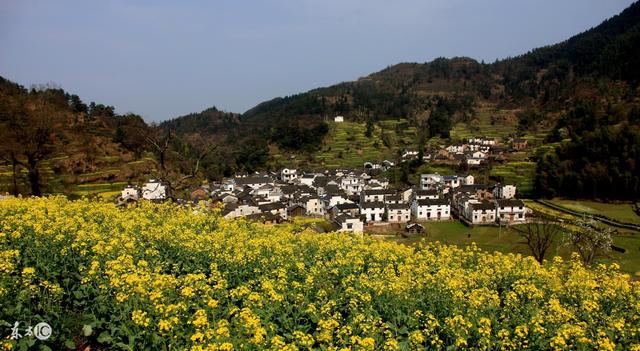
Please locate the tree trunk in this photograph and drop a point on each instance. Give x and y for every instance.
(14, 166)
(34, 176)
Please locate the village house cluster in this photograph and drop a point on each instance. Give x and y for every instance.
(473, 151)
(352, 200)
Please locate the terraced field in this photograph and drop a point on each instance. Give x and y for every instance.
(106, 181)
(521, 174)
(347, 145)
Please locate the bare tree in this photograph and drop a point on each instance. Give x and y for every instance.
(539, 236)
(590, 240)
(178, 158)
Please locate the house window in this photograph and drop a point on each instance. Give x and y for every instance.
(349, 226)
(520, 215)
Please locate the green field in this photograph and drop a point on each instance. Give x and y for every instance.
(622, 212)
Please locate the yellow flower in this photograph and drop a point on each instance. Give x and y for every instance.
(140, 318)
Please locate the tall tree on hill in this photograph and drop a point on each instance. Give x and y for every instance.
(28, 132)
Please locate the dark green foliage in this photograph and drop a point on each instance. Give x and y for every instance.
(601, 160)
(439, 122)
(300, 138)
(369, 130)
(529, 119)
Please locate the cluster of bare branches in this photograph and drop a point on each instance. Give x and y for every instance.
(178, 158)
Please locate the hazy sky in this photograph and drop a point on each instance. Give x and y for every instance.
(162, 59)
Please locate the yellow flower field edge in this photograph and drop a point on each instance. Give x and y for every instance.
(165, 277)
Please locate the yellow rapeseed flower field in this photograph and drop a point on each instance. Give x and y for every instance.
(169, 277)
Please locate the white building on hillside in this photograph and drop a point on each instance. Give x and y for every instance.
(373, 211)
(288, 174)
(338, 119)
(154, 190)
(510, 210)
(504, 191)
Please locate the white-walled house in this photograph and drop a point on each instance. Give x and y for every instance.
(373, 211)
(313, 205)
(338, 119)
(398, 213)
(510, 210)
(235, 210)
(482, 141)
(154, 190)
(288, 174)
(333, 199)
(375, 195)
(351, 184)
(251, 182)
(480, 212)
(431, 210)
(456, 148)
(130, 192)
(504, 191)
(307, 179)
(430, 181)
(426, 194)
(276, 208)
(348, 223)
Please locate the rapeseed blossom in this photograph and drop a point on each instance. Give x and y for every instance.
(168, 277)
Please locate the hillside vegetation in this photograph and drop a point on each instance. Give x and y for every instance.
(160, 277)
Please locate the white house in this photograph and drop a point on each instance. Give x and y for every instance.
(482, 141)
(348, 223)
(373, 211)
(480, 212)
(431, 210)
(235, 210)
(373, 195)
(338, 119)
(426, 194)
(351, 184)
(276, 208)
(398, 213)
(131, 192)
(456, 148)
(510, 210)
(313, 205)
(333, 199)
(288, 174)
(252, 182)
(474, 161)
(504, 191)
(430, 181)
(307, 179)
(154, 190)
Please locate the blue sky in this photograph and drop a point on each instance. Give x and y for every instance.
(162, 59)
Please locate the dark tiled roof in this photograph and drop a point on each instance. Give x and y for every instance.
(483, 206)
(433, 202)
(510, 203)
(375, 204)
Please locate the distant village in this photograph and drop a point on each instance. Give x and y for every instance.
(352, 200)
